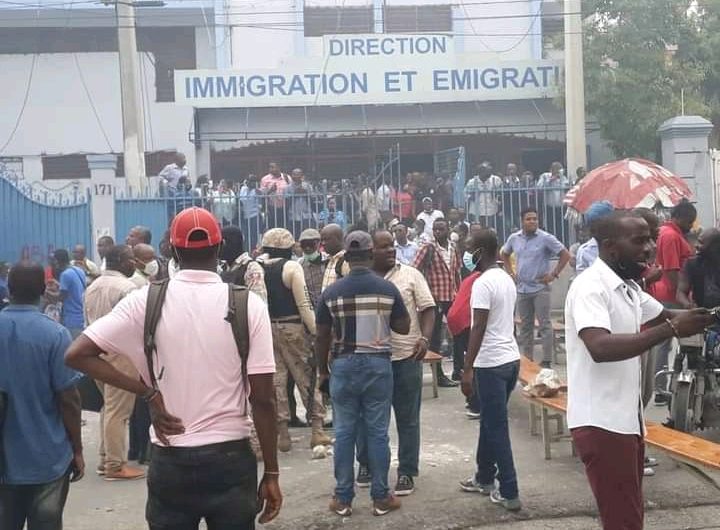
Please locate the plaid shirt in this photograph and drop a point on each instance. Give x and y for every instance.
(443, 280)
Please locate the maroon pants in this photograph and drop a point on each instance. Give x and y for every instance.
(614, 467)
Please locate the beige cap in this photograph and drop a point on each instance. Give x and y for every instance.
(309, 235)
(278, 238)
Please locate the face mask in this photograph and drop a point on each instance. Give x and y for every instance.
(312, 257)
(469, 261)
(152, 268)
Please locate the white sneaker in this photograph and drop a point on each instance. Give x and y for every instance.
(648, 472)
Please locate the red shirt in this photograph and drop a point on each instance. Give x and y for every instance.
(673, 251)
(404, 205)
(459, 316)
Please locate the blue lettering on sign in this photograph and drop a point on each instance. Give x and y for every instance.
(440, 80)
(509, 75)
(529, 78)
(226, 90)
(392, 81)
(489, 78)
(411, 45)
(461, 79)
(203, 90)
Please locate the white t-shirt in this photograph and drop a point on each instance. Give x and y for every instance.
(604, 395)
(197, 355)
(429, 219)
(495, 291)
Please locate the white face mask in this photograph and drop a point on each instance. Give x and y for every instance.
(152, 268)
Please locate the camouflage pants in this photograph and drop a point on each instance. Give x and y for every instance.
(292, 354)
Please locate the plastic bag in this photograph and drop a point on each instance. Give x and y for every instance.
(546, 384)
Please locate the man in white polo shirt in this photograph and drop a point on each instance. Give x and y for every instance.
(202, 464)
(604, 311)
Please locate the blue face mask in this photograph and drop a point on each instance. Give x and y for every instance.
(469, 261)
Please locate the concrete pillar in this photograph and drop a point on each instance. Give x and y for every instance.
(685, 152)
(102, 190)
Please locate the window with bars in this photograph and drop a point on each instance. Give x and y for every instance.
(321, 21)
(65, 167)
(418, 19)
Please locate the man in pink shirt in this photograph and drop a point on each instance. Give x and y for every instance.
(202, 464)
(273, 184)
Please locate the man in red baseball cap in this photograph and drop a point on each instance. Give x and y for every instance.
(202, 464)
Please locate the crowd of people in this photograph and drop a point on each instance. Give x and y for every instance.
(296, 201)
(204, 375)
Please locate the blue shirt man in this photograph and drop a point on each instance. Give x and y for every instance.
(72, 288)
(41, 430)
(354, 318)
(533, 249)
(586, 255)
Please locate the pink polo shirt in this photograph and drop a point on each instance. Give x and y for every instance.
(201, 378)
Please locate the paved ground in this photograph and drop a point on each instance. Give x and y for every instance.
(555, 493)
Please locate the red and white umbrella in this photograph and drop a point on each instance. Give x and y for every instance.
(626, 184)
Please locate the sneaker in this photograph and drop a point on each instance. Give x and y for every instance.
(405, 485)
(340, 508)
(470, 485)
(511, 505)
(125, 473)
(363, 477)
(661, 400)
(472, 415)
(100, 470)
(648, 472)
(650, 461)
(386, 505)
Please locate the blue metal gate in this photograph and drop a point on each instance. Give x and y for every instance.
(34, 222)
(147, 210)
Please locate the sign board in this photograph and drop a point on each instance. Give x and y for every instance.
(372, 70)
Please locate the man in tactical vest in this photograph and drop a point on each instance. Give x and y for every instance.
(290, 309)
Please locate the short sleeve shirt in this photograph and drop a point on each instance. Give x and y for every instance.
(605, 395)
(33, 372)
(495, 292)
(72, 282)
(417, 297)
(360, 308)
(197, 364)
(673, 251)
(533, 253)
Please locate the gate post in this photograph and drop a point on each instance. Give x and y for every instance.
(685, 152)
(102, 191)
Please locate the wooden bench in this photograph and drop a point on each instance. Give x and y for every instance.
(433, 359)
(678, 445)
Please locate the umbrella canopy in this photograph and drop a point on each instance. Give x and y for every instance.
(626, 184)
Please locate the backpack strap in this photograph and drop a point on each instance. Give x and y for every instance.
(237, 316)
(153, 311)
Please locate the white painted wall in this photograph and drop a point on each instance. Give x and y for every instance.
(59, 118)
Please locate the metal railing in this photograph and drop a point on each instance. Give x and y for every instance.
(500, 209)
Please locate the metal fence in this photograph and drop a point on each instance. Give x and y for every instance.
(255, 212)
(37, 221)
(500, 209)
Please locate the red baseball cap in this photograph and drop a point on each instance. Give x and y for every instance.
(192, 220)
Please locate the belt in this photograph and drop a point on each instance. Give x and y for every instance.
(286, 320)
(373, 354)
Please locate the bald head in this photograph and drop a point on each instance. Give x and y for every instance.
(143, 254)
(26, 283)
(139, 234)
(332, 238)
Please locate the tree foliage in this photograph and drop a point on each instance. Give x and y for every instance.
(642, 58)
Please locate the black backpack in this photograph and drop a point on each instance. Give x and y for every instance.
(237, 316)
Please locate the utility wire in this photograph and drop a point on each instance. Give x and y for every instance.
(24, 105)
(92, 103)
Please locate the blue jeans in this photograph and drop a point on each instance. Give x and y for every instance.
(407, 395)
(361, 388)
(494, 454)
(40, 505)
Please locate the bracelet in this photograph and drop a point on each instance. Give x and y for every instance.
(148, 397)
(425, 339)
(277, 473)
(672, 327)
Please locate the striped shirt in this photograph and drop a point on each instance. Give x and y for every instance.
(359, 308)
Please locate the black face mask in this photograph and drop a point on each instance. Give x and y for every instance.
(628, 269)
